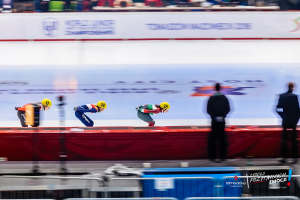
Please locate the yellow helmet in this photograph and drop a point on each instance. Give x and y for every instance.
(47, 102)
(102, 104)
(165, 105)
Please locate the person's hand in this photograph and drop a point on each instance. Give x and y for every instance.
(75, 108)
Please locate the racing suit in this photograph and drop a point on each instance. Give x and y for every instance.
(21, 113)
(80, 110)
(144, 112)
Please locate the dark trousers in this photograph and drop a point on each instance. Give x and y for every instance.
(22, 118)
(215, 137)
(284, 140)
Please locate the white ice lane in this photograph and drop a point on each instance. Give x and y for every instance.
(148, 52)
(160, 122)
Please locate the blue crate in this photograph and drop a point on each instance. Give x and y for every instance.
(184, 188)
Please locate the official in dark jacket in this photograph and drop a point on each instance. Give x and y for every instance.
(288, 109)
(218, 108)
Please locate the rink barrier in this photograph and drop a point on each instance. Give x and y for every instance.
(144, 39)
(261, 197)
(104, 187)
(103, 184)
(149, 198)
(78, 129)
(189, 198)
(139, 143)
(99, 180)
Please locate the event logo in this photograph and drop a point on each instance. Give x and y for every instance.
(89, 27)
(50, 27)
(236, 177)
(236, 183)
(259, 177)
(297, 23)
(227, 90)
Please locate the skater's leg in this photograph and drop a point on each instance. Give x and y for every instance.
(84, 119)
(146, 118)
(22, 118)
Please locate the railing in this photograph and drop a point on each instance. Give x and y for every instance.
(149, 198)
(262, 197)
(218, 184)
(99, 180)
(104, 184)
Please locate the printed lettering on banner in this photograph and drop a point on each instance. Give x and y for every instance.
(164, 183)
(52, 27)
(149, 25)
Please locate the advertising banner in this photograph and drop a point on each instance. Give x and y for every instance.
(148, 25)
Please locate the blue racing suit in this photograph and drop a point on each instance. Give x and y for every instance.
(80, 110)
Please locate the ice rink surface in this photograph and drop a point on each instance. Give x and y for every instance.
(254, 72)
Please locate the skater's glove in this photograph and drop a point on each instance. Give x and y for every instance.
(75, 108)
(137, 108)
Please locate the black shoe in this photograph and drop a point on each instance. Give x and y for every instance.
(295, 161)
(282, 160)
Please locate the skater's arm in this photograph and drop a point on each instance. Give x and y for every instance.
(156, 111)
(209, 108)
(86, 108)
(279, 107)
(227, 107)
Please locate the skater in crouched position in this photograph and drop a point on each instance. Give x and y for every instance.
(44, 105)
(93, 108)
(144, 111)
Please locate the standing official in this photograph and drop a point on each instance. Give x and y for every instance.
(217, 107)
(288, 109)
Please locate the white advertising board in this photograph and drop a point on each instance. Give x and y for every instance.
(150, 25)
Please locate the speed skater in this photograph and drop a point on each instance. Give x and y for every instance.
(144, 111)
(93, 108)
(44, 105)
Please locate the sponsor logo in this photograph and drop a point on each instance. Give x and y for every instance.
(275, 180)
(236, 183)
(236, 177)
(226, 90)
(89, 27)
(297, 23)
(50, 27)
(199, 26)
